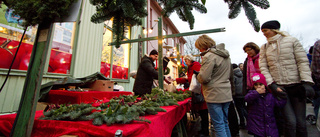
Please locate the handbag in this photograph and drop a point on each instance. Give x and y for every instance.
(195, 86)
(197, 98)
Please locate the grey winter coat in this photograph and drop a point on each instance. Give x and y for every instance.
(216, 75)
(238, 76)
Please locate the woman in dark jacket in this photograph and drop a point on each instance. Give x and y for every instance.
(250, 66)
(201, 107)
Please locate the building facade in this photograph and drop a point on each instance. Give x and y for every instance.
(79, 49)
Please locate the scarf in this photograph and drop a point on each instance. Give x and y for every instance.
(252, 67)
(273, 41)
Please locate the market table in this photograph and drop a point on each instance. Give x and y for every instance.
(73, 97)
(161, 125)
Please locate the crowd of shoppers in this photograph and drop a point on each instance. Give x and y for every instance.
(267, 92)
(269, 89)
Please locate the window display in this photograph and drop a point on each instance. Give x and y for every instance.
(61, 49)
(10, 36)
(11, 33)
(119, 56)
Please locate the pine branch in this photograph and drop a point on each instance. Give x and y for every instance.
(189, 17)
(235, 9)
(199, 7)
(128, 9)
(181, 15)
(263, 4)
(251, 15)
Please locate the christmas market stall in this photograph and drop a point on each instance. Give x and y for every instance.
(154, 114)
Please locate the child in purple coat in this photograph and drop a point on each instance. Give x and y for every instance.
(261, 121)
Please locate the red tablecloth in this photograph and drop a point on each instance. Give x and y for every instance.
(161, 125)
(64, 97)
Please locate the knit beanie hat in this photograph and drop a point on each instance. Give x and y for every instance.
(272, 24)
(154, 52)
(259, 78)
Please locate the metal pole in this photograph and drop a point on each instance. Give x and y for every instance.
(172, 35)
(160, 66)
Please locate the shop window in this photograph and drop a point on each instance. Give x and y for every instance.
(175, 72)
(61, 48)
(10, 36)
(118, 58)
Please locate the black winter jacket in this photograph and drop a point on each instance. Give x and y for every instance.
(145, 75)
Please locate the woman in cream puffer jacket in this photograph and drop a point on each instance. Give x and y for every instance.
(285, 65)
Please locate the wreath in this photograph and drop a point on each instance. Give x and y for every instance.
(167, 71)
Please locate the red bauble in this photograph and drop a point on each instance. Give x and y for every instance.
(62, 61)
(103, 68)
(114, 67)
(116, 74)
(124, 73)
(6, 58)
(22, 52)
(53, 54)
(27, 47)
(60, 70)
(107, 66)
(24, 62)
(107, 74)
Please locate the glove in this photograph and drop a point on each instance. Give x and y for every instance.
(278, 94)
(309, 90)
(195, 72)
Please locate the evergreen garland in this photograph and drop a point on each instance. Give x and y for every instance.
(123, 109)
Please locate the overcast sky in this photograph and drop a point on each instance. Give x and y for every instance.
(300, 18)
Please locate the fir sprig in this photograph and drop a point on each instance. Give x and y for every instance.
(123, 109)
(35, 12)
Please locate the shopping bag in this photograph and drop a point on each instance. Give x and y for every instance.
(195, 86)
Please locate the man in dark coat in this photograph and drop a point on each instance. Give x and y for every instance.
(146, 74)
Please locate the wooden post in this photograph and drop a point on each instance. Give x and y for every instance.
(160, 68)
(23, 123)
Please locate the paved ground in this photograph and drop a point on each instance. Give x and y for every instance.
(312, 129)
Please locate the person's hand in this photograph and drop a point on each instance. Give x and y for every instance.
(261, 90)
(309, 90)
(278, 91)
(167, 81)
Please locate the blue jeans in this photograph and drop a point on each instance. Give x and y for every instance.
(219, 115)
